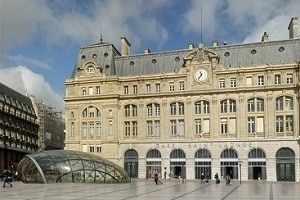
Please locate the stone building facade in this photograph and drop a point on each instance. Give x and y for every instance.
(27, 125)
(231, 109)
(18, 128)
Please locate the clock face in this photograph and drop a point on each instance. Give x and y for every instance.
(201, 75)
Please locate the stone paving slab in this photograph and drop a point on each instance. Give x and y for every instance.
(146, 189)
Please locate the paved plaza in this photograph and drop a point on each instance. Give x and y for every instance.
(146, 189)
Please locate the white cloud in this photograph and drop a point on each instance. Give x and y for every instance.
(24, 81)
(20, 59)
(241, 21)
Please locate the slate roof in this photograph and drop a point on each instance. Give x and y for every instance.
(234, 56)
(16, 99)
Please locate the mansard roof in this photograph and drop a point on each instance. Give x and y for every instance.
(233, 56)
(15, 99)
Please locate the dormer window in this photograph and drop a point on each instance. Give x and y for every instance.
(91, 69)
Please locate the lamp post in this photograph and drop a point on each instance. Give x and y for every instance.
(240, 164)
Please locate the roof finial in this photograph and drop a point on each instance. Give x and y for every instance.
(101, 40)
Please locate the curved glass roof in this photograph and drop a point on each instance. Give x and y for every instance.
(65, 166)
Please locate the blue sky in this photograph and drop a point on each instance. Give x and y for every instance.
(40, 39)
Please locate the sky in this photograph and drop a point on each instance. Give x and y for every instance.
(40, 39)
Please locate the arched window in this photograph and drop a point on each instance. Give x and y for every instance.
(202, 163)
(130, 110)
(257, 164)
(229, 163)
(228, 105)
(131, 163)
(177, 163)
(201, 107)
(285, 164)
(153, 109)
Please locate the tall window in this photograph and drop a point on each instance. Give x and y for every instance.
(255, 105)
(206, 107)
(171, 87)
(222, 83)
(224, 128)
(279, 123)
(84, 91)
(260, 80)
(153, 109)
(157, 109)
(177, 106)
(134, 128)
(233, 82)
(201, 107)
(127, 128)
(198, 107)
(130, 110)
(198, 128)
(149, 110)
(251, 125)
(228, 104)
(157, 87)
(84, 129)
(91, 129)
(284, 115)
(277, 80)
(173, 109)
(97, 90)
(289, 78)
(173, 127)
(135, 89)
(125, 89)
(134, 110)
(98, 128)
(153, 128)
(148, 88)
(150, 128)
(224, 106)
(127, 111)
(180, 108)
(181, 127)
(181, 86)
(289, 123)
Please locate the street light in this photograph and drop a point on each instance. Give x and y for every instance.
(240, 164)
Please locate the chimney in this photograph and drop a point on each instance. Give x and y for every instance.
(147, 51)
(215, 43)
(293, 28)
(191, 46)
(265, 37)
(125, 47)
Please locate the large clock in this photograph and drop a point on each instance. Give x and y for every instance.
(201, 75)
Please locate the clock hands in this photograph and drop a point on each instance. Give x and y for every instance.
(200, 74)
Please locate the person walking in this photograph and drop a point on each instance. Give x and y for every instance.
(7, 177)
(217, 178)
(202, 178)
(156, 178)
(228, 180)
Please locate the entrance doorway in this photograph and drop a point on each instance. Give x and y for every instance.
(131, 163)
(177, 164)
(285, 165)
(229, 171)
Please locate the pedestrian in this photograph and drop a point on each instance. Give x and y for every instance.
(159, 179)
(7, 177)
(202, 178)
(228, 181)
(207, 178)
(217, 178)
(156, 178)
